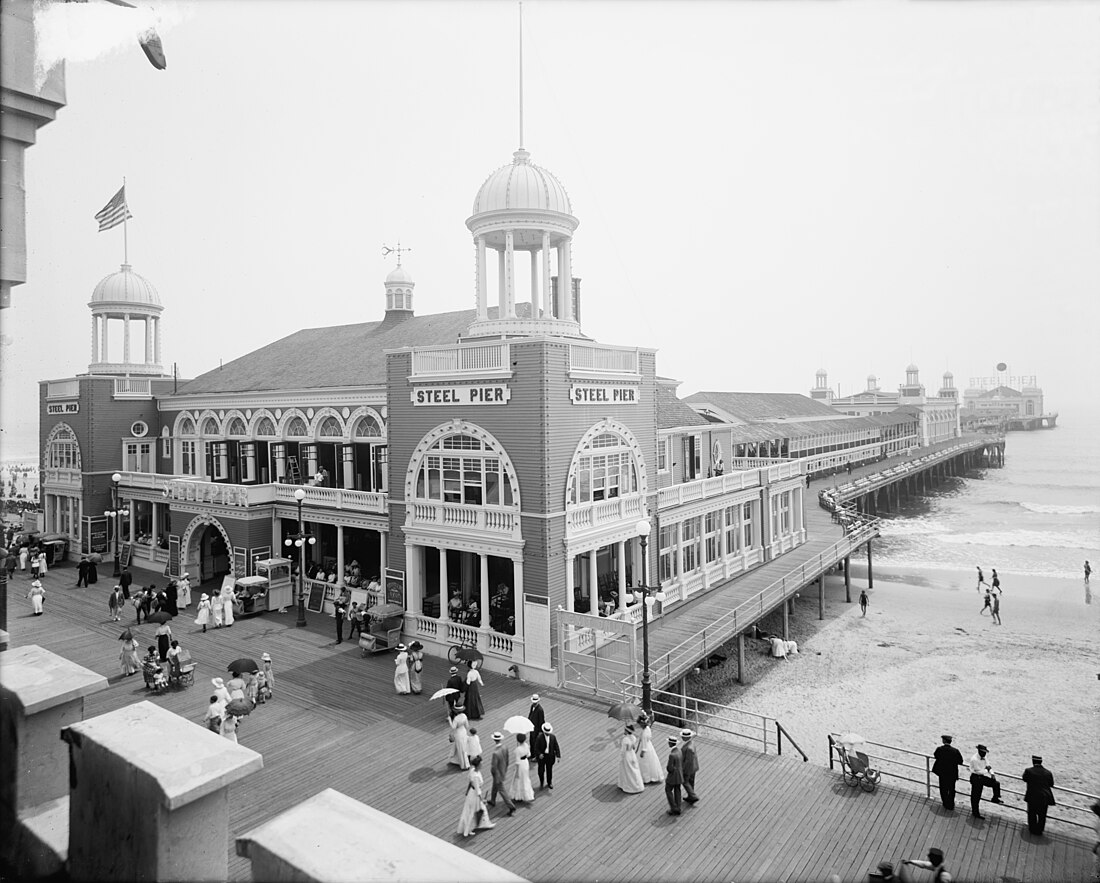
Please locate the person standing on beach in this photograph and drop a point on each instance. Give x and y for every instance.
(996, 612)
(981, 774)
(1088, 571)
(996, 580)
(948, 759)
(981, 579)
(1039, 794)
(988, 605)
(863, 601)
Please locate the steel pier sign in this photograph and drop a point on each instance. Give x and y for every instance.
(477, 394)
(602, 394)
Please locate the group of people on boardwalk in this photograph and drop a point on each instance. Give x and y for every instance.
(217, 611)
(640, 765)
(1039, 782)
(233, 699)
(992, 600)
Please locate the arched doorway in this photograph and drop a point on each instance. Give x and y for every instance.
(207, 549)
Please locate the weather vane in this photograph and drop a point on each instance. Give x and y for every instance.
(386, 251)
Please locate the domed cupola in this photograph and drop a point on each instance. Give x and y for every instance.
(399, 293)
(524, 207)
(123, 298)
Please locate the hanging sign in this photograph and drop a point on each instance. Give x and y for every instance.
(395, 586)
(602, 394)
(124, 555)
(480, 394)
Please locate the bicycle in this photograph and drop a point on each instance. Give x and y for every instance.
(454, 649)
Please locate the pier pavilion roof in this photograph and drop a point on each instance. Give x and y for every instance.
(671, 410)
(757, 432)
(757, 407)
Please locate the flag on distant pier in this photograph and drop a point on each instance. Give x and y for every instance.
(114, 212)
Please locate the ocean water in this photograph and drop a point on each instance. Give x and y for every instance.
(1037, 516)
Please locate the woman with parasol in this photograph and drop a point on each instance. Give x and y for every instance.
(630, 774)
(128, 656)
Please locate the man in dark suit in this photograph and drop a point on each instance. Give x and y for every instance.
(536, 714)
(691, 765)
(456, 682)
(948, 759)
(498, 764)
(1039, 781)
(674, 778)
(125, 580)
(547, 752)
(340, 609)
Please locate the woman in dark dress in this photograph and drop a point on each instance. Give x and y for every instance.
(172, 594)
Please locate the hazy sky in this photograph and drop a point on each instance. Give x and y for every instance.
(763, 189)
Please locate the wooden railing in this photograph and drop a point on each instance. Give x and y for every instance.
(590, 515)
(485, 518)
(707, 488)
(602, 359)
(133, 388)
(334, 498)
(484, 358)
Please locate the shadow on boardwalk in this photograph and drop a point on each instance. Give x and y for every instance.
(336, 721)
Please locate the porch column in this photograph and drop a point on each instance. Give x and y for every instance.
(502, 286)
(382, 559)
(95, 339)
(620, 554)
(483, 583)
(482, 305)
(517, 580)
(156, 528)
(133, 525)
(156, 340)
(126, 338)
(79, 532)
(340, 555)
(106, 342)
(565, 279)
(444, 589)
(569, 582)
(593, 595)
(148, 340)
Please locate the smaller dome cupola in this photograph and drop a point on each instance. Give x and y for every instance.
(872, 383)
(821, 390)
(399, 286)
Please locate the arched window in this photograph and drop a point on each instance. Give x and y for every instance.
(367, 427)
(210, 427)
(296, 428)
(62, 449)
(605, 469)
(265, 428)
(237, 427)
(187, 426)
(330, 428)
(463, 469)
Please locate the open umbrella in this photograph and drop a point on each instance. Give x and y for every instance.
(624, 711)
(518, 724)
(160, 617)
(446, 691)
(851, 740)
(469, 654)
(238, 707)
(242, 665)
(126, 636)
(95, 558)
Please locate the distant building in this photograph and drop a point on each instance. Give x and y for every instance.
(937, 416)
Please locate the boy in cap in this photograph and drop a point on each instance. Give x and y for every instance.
(691, 765)
(981, 774)
(1039, 795)
(498, 766)
(535, 714)
(948, 759)
(675, 777)
(934, 864)
(547, 752)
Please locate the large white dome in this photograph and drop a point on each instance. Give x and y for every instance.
(125, 286)
(522, 185)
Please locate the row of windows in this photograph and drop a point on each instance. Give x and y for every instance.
(366, 427)
(477, 478)
(705, 539)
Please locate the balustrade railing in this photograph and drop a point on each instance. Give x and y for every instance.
(707, 488)
(602, 359)
(334, 498)
(591, 515)
(133, 387)
(497, 521)
(461, 359)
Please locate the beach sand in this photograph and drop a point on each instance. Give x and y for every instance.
(924, 662)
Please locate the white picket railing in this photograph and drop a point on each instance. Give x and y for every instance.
(602, 359)
(484, 358)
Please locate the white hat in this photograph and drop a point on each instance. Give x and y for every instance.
(218, 683)
(402, 647)
(546, 728)
(535, 698)
(266, 657)
(205, 597)
(498, 736)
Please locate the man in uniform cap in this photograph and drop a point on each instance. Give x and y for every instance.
(934, 864)
(948, 759)
(691, 765)
(674, 778)
(1039, 795)
(981, 774)
(498, 765)
(535, 714)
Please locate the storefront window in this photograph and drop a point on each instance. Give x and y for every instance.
(732, 530)
(188, 458)
(714, 536)
(669, 557)
(746, 520)
(691, 544)
(248, 461)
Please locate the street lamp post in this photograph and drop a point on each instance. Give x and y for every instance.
(300, 540)
(115, 513)
(645, 594)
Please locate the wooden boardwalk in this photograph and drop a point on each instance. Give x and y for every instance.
(336, 722)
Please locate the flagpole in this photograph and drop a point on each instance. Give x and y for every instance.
(125, 229)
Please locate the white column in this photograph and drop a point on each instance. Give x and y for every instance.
(517, 579)
(510, 275)
(502, 287)
(148, 358)
(680, 552)
(382, 559)
(156, 341)
(444, 589)
(155, 528)
(593, 594)
(133, 524)
(559, 303)
(569, 583)
(482, 299)
(126, 338)
(620, 554)
(545, 256)
(534, 283)
(79, 532)
(565, 279)
(483, 597)
(340, 555)
(95, 339)
(106, 341)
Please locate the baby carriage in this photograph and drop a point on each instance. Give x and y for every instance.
(855, 765)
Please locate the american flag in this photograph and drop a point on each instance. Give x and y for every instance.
(114, 212)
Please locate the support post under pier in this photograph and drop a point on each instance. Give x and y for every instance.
(848, 578)
(870, 573)
(786, 621)
(741, 658)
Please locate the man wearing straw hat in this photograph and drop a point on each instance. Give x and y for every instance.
(498, 765)
(934, 864)
(691, 765)
(675, 777)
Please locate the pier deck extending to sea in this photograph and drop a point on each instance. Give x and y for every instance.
(336, 722)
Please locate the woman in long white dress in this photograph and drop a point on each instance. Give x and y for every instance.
(630, 775)
(648, 761)
(519, 772)
(37, 595)
(475, 814)
(204, 618)
(184, 586)
(401, 672)
(460, 755)
(228, 596)
(217, 611)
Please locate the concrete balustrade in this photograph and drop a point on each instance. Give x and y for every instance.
(150, 796)
(332, 837)
(40, 694)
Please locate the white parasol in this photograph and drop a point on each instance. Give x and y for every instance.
(446, 691)
(518, 724)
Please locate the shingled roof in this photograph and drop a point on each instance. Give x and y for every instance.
(756, 407)
(671, 411)
(340, 355)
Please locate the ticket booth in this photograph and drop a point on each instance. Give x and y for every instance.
(280, 590)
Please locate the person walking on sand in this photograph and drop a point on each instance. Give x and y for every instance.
(947, 760)
(863, 601)
(988, 605)
(691, 764)
(981, 579)
(648, 761)
(547, 753)
(674, 777)
(981, 774)
(996, 580)
(498, 765)
(1039, 794)
(996, 611)
(630, 775)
